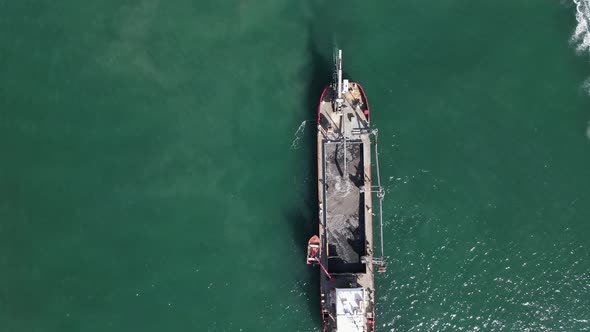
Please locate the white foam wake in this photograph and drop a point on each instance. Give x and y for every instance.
(581, 36)
(298, 135)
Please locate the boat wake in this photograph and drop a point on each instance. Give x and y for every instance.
(298, 135)
(581, 36)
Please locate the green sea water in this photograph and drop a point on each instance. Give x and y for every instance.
(158, 162)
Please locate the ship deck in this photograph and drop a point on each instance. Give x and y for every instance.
(346, 228)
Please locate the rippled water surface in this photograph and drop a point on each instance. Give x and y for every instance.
(158, 162)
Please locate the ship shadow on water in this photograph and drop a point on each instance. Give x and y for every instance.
(303, 216)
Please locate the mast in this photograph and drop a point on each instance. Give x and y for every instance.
(339, 102)
(339, 69)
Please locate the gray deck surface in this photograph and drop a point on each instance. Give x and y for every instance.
(345, 222)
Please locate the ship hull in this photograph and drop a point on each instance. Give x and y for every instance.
(345, 210)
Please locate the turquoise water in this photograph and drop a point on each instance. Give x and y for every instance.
(158, 174)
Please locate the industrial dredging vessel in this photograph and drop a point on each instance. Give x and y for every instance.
(343, 249)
